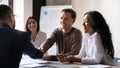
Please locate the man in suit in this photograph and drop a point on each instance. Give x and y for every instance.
(13, 42)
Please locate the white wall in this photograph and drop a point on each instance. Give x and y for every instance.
(110, 10)
(27, 9)
(22, 9)
(58, 2)
(4, 2)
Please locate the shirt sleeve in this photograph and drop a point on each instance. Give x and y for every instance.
(40, 39)
(97, 52)
(82, 53)
(49, 42)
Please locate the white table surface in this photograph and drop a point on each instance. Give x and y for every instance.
(27, 62)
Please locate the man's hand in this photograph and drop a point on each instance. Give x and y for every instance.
(46, 57)
(61, 57)
(71, 58)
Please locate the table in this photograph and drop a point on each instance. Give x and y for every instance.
(27, 62)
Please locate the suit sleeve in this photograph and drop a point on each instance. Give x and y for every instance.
(30, 49)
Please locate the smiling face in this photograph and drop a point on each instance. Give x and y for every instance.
(32, 24)
(66, 21)
(87, 25)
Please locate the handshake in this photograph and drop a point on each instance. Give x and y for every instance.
(62, 58)
(66, 58)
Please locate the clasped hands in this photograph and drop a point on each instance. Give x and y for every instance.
(63, 58)
(67, 58)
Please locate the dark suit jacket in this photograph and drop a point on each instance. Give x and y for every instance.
(12, 44)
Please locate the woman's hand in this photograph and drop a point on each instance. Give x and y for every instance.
(71, 58)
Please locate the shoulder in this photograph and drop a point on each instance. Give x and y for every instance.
(57, 30)
(20, 37)
(20, 34)
(76, 31)
(97, 36)
(97, 40)
(41, 33)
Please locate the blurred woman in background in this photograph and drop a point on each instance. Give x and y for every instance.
(32, 27)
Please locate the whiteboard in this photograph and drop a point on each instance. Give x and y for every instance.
(50, 20)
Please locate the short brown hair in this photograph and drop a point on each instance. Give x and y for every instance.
(73, 13)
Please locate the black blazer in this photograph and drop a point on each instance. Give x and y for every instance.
(12, 44)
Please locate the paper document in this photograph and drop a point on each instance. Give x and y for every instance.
(95, 66)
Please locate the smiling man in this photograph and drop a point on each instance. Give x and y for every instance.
(67, 38)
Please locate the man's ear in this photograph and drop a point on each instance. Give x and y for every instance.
(10, 21)
(73, 21)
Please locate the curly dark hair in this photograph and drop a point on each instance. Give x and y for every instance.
(100, 26)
